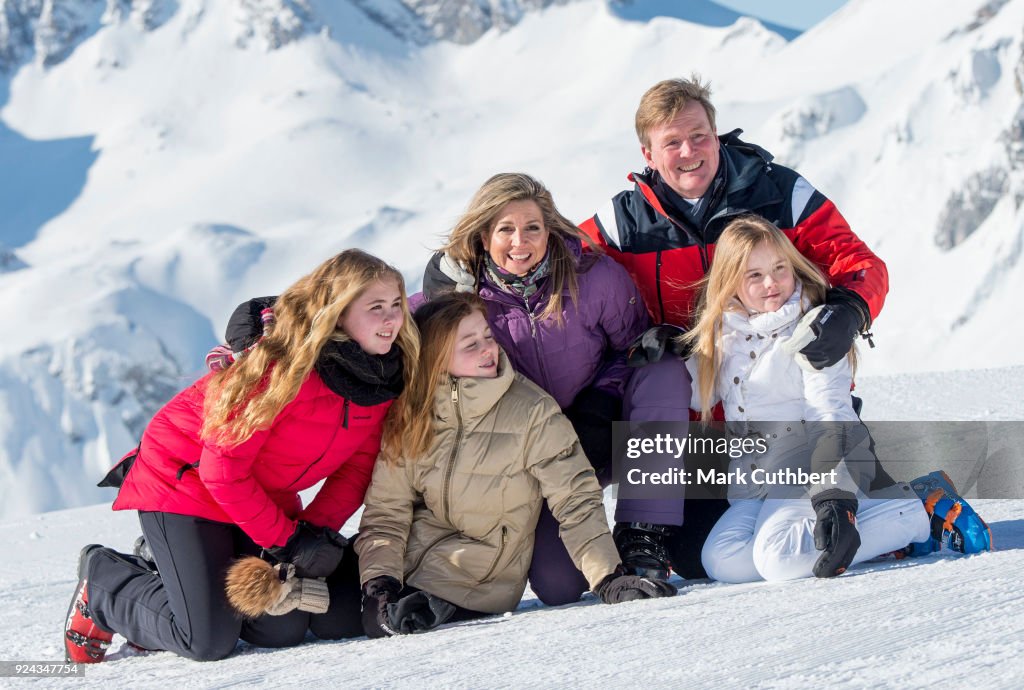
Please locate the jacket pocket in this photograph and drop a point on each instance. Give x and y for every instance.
(185, 468)
(491, 572)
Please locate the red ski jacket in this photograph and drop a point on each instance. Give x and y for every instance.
(255, 485)
(666, 254)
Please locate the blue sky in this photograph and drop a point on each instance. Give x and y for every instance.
(798, 14)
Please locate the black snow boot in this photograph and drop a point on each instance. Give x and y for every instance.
(142, 551)
(642, 548)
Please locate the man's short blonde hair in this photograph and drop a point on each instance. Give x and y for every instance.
(664, 100)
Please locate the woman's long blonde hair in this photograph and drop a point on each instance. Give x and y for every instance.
(720, 287)
(466, 240)
(247, 396)
(408, 430)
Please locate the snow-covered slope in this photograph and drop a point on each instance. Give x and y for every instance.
(164, 159)
(943, 620)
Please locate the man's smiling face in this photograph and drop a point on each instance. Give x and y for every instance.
(685, 151)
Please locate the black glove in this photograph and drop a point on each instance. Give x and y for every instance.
(377, 594)
(844, 315)
(314, 551)
(245, 326)
(642, 548)
(835, 532)
(619, 587)
(653, 343)
(419, 612)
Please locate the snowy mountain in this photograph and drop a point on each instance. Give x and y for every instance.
(161, 160)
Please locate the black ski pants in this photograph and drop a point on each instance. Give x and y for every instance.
(182, 606)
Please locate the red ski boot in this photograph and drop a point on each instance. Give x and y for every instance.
(84, 641)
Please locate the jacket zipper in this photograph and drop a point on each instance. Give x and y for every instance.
(509, 300)
(497, 558)
(343, 425)
(536, 344)
(702, 246)
(446, 487)
(702, 250)
(657, 281)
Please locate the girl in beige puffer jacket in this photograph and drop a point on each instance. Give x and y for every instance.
(469, 454)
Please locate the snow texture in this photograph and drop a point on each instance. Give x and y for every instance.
(946, 619)
(942, 620)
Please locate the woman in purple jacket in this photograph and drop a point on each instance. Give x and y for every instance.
(566, 318)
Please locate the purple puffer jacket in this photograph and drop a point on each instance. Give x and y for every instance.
(588, 348)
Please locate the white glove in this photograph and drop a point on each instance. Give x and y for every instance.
(802, 336)
(459, 272)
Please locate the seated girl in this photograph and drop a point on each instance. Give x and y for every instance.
(756, 293)
(468, 458)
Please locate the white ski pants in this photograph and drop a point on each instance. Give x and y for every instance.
(773, 539)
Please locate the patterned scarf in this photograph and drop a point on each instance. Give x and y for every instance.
(525, 285)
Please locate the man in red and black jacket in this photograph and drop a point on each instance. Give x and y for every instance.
(663, 231)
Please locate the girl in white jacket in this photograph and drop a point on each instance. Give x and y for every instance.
(754, 297)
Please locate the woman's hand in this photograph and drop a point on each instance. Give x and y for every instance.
(377, 594)
(619, 587)
(314, 551)
(654, 342)
(419, 612)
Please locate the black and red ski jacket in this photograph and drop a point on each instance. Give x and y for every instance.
(666, 255)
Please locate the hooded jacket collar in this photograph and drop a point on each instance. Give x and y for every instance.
(469, 398)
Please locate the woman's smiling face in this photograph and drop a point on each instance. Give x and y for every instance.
(518, 240)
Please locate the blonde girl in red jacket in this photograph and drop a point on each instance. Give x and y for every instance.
(219, 469)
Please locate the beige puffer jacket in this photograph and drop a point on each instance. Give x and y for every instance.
(459, 521)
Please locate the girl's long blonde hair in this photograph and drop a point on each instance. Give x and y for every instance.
(408, 430)
(247, 396)
(720, 287)
(466, 240)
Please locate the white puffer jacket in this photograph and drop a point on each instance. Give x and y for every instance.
(765, 393)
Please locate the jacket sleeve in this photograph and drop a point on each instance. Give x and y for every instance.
(824, 236)
(387, 518)
(344, 491)
(693, 369)
(444, 274)
(839, 441)
(245, 326)
(568, 483)
(226, 472)
(624, 319)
